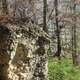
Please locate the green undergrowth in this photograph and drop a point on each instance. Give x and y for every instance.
(62, 70)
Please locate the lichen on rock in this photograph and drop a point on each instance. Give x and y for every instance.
(23, 52)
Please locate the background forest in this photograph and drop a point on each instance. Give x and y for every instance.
(60, 19)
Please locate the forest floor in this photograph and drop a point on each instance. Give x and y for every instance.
(63, 70)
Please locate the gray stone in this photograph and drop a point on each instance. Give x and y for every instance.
(23, 52)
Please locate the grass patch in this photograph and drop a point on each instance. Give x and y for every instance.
(63, 70)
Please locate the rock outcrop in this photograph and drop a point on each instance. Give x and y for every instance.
(23, 52)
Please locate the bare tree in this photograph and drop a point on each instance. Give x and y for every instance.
(74, 52)
(44, 15)
(5, 7)
(57, 30)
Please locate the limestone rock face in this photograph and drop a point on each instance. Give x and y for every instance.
(4, 56)
(23, 53)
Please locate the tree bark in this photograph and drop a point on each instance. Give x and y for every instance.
(57, 30)
(44, 15)
(74, 52)
(5, 7)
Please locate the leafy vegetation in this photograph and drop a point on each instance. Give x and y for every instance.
(63, 70)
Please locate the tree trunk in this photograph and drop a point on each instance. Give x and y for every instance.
(44, 15)
(74, 52)
(5, 7)
(57, 30)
